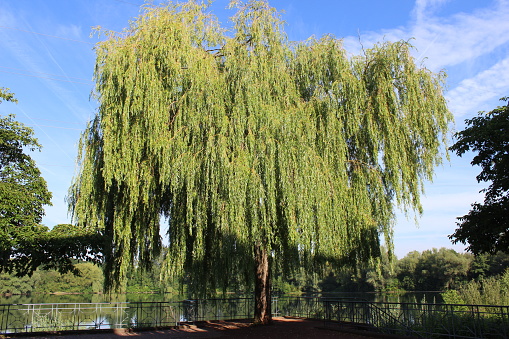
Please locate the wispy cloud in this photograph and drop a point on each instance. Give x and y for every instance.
(451, 40)
(6, 17)
(460, 40)
(32, 53)
(461, 37)
(69, 31)
(424, 8)
(470, 95)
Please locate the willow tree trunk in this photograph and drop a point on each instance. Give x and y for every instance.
(263, 298)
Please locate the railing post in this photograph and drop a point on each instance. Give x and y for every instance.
(504, 310)
(190, 310)
(31, 314)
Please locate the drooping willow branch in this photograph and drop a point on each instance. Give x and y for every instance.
(253, 146)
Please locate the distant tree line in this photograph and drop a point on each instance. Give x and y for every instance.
(430, 270)
(475, 279)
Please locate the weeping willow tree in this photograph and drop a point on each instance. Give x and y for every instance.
(263, 155)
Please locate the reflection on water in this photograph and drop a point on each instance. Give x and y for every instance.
(87, 298)
(399, 297)
(396, 297)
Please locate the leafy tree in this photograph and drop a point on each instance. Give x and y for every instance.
(406, 269)
(24, 243)
(433, 270)
(376, 276)
(499, 263)
(486, 227)
(5, 95)
(489, 265)
(441, 269)
(382, 277)
(10, 284)
(88, 281)
(58, 249)
(480, 266)
(263, 155)
(493, 290)
(23, 192)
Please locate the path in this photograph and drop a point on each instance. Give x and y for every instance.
(283, 328)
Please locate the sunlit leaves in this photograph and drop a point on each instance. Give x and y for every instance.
(294, 147)
(23, 191)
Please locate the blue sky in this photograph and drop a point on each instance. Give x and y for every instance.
(47, 60)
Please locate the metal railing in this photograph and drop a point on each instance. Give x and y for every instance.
(421, 320)
(85, 316)
(416, 319)
(19, 318)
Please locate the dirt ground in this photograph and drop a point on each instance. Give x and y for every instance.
(283, 328)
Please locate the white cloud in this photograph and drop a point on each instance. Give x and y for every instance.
(423, 7)
(468, 97)
(38, 56)
(460, 40)
(69, 31)
(447, 41)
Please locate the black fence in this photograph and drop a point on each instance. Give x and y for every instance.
(415, 319)
(421, 320)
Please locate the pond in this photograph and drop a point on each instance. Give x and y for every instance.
(399, 297)
(429, 297)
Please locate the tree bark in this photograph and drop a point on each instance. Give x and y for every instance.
(263, 297)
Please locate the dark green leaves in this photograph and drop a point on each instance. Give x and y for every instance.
(488, 136)
(23, 192)
(486, 227)
(25, 244)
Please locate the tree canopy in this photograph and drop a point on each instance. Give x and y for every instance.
(26, 244)
(262, 154)
(486, 227)
(23, 191)
(60, 249)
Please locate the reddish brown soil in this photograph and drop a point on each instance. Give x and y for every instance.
(282, 328)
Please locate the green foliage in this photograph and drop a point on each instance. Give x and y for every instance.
(487, 265)
(366, 277)
(486, 227)
(48, 321)
(492, 290)
(433, 270)
(143, 280)
(10, 284)
(24, 243)
(442, 269)
(65, 244)
(292, 148)
(89, 280)
(452, 297)
(490, 287)
(58, 248)
(23, 192)
(82, 277)
(5, 95)
(406, 270)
